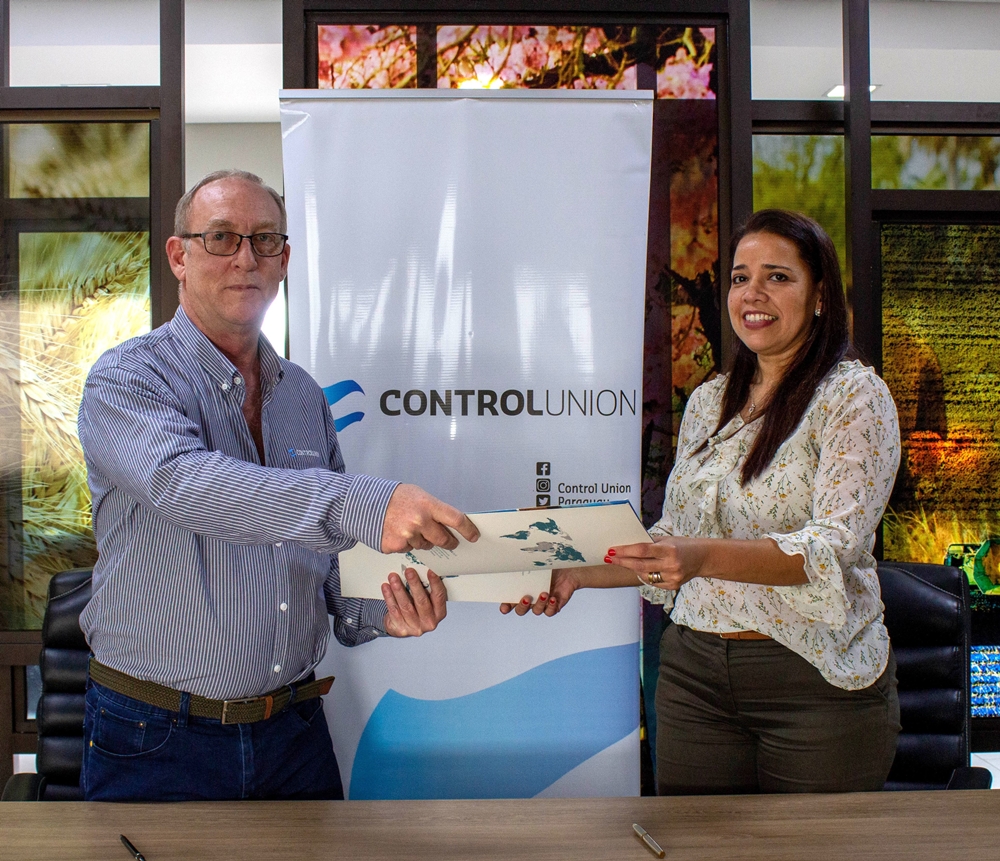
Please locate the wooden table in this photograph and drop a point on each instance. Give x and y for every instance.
(964, 826)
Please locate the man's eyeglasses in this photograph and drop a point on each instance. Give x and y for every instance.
(224, 243)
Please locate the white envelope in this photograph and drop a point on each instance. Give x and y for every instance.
(513, 557)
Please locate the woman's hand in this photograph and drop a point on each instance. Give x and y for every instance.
(561, 588)
(671, 561)
(667, 563)
(413, 610)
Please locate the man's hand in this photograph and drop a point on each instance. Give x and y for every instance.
(415, 520)
(563, 584)
(417, 611)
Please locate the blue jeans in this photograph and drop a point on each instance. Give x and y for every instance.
(138, 752)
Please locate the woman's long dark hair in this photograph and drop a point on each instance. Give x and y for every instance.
(827, 343)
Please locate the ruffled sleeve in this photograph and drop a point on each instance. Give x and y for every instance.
(857, 431)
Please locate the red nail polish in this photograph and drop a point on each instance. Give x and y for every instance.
(611, 552)
(526, 602)
(607, 560)
(552, 600)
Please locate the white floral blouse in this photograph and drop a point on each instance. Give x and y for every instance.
(821, 498)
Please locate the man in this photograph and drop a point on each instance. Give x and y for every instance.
(220, 503)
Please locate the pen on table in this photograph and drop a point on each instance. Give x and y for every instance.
(135, 853)
(651, 844)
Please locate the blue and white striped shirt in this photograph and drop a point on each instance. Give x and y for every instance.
(215, 573)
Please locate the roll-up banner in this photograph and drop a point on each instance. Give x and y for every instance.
(467, 285)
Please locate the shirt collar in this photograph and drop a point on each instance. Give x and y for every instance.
(215, 364)
(271, 370)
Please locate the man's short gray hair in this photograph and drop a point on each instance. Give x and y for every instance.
(184, 204)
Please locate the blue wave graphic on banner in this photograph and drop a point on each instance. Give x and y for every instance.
(339, 391)
(511, 740)
(344, 421)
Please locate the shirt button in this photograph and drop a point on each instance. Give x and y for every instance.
(224, 387)
(277, 544)
(237, 380)
(282, 606)
(277, 668)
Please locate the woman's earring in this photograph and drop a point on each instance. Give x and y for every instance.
(818, 313)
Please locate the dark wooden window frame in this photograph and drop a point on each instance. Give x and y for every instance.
(857, 118)
(163, 108)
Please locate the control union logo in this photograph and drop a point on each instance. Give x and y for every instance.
(336, 393)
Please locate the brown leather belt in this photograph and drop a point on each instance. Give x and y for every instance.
(248, 710)
(744, 635)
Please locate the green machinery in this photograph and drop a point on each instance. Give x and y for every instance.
(971, 559)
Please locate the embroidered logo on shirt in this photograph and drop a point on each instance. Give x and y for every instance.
(303, 452)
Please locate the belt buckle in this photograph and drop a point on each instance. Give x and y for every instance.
(246, 701)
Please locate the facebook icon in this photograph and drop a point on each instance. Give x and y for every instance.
(542, 467)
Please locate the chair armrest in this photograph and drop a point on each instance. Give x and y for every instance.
(970, 777)
(24, 787)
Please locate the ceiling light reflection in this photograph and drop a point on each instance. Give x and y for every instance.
(481, 82)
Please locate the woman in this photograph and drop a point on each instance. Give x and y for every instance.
(776, 674)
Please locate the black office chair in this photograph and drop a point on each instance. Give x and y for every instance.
(63, 664)
(927, 615)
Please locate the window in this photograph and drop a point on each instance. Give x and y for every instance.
(75, 218)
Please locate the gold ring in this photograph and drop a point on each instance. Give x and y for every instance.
(655, 578)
